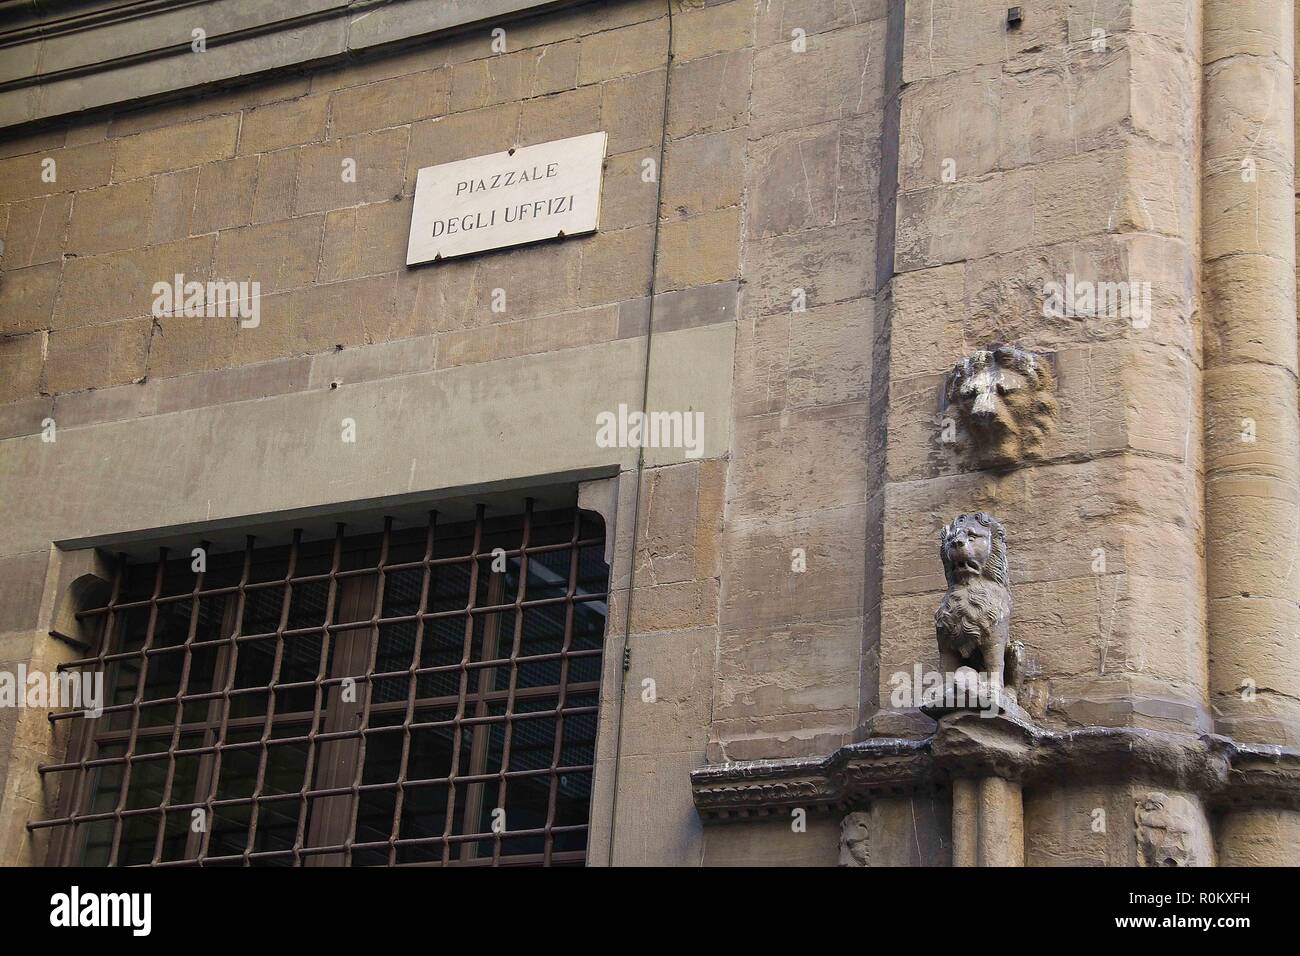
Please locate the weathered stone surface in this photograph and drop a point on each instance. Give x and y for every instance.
(175, 147)
(109, 219)
(698, 251)
(22, 357)
(120, 284)
(560, 116)
(224, 196)
(35, 230)
(173, 205)
(27, 298)
(773, 843)
(514, 76)
(369, 167)
(632, 111)
(392, 102)
(96, 356)
(290, 123)
(624, 51)
(277, 185)
(461, 136)
(75, 168)
(840, 74)
(709, 94)
(365, 240)
(279, 255)
(1171, 831)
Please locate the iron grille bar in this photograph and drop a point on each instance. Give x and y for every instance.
(474, 720)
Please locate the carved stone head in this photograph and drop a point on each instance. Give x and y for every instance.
(1167, 831)
(855, 839)
(1004, 397)
(974, 546)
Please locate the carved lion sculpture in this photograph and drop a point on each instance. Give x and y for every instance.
(973, 620)
(1005, 398)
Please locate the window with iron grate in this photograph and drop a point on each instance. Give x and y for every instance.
(423, 695)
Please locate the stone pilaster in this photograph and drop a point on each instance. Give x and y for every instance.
(1252, 432)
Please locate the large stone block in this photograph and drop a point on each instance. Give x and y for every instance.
(224, 197)
(798, 359)
(795, 181)
(669, 607)
(799, 668)
(392, 102)
(667, 525)
(829, 265)
(120, 284)
(504, 77)
(951, 35)
(632, 111)
(623, 51)
(172, 204)
(698, 251)
(712, 28)
(27, 298)
(798, 463)
(839, 74)
(709, 94)
(97, 356)
(291, 123)
(35, 231)
(626, 198)
(279, 255)
(74, 168)
(460, 136)
(365, 240)
(322, 317)
(527, 336)
(671, 835)
(952, 128)
(616, 265)
(277, 185)
(776, 21)
(182, 345)
(21, 356)
(367, 168)
(110, 218)
(672, 715)
(175, 147)
(762, 585)
(560, 115)
(780, 736)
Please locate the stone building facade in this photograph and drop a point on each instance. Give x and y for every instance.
(811, 212)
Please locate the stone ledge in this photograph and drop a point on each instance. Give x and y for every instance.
(82, 59)
(965, 744)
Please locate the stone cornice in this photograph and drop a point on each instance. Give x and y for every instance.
(1222, 771)
(58, 59)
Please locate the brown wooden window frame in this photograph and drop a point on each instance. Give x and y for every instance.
(482, 718)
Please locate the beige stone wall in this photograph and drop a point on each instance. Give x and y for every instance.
(248, 185)
(854, 194)
(769, 170)
(1074, 154)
